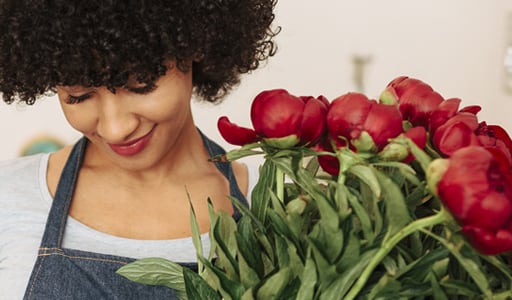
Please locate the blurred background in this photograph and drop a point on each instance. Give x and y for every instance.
(330, 47)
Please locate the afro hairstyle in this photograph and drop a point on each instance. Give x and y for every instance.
(48, 43)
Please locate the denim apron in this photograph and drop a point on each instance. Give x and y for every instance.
(61, 273)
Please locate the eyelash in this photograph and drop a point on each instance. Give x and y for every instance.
(77, 99)
(137, 90)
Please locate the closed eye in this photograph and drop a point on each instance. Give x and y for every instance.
(145, 89)
(77, 99)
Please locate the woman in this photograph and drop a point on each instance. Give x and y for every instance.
(124, 73)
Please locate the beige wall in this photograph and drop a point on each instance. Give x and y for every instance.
(457, 46)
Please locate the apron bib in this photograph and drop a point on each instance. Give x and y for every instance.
(61, 273)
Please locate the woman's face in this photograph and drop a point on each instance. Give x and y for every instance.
(138, 125)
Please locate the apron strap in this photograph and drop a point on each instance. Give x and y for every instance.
(56, 222)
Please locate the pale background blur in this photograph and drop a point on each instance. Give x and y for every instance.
(330, 47)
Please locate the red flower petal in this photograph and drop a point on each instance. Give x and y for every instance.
(235, 134)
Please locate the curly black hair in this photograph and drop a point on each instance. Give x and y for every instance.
(47, 43)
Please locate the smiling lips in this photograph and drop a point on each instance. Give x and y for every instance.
(132, 147)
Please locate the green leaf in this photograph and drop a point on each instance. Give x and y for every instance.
(214, 219)
(417, 196)
(469, 263)
(246, 212)
(294, 261)
(326, 270)
(371, 204)
(329, 241)
(229, 289)
(312, 165)
(397, 215)
(405, 170)
(327, 211)
(339, 287)
(224, 236)
(386, 285)
(291, 289)
(274, 285)
(196, 234)
(351, 252)
(367, 175)
(437, 291)
(277, 204)
(280, 226)
(248, 246)
(248, 295)
(391, 265)
(500, 265)
(260, 197)
(461, 288)
(362, 215)
(283, 258)
(156, 271)
(248, 275)
(420, 267)
(308, 280)
(197, 287)
(341, 200)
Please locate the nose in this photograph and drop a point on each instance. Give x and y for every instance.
(116, 122)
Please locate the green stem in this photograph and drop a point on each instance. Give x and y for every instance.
(346, 159)
(388, 244)
(280, 184)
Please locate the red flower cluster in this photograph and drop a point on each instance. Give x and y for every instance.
(477, 185)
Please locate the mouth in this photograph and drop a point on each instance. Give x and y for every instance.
(134, 146)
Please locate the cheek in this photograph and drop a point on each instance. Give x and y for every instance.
(79, 119)
(168, 107)
(175, 113)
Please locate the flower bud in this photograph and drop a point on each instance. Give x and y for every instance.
(281, 120)
(435, 172)
(364, 143)
(416, 99)
(477, 189)
(278, 114)
(394, 152)
(353, 113)
(296, 206)
(456, 133)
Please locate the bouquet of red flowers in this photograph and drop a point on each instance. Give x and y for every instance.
(407, 196)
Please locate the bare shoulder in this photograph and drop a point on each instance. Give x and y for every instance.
(56, 163)
(242, 176)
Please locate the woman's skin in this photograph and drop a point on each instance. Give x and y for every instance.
(144, 160)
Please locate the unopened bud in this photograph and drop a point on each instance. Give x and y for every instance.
(394, 152)
(435, 172)
(364, 143)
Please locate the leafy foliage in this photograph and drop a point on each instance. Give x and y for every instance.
(373, 232)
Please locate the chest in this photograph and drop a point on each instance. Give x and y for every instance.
(148, 211)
